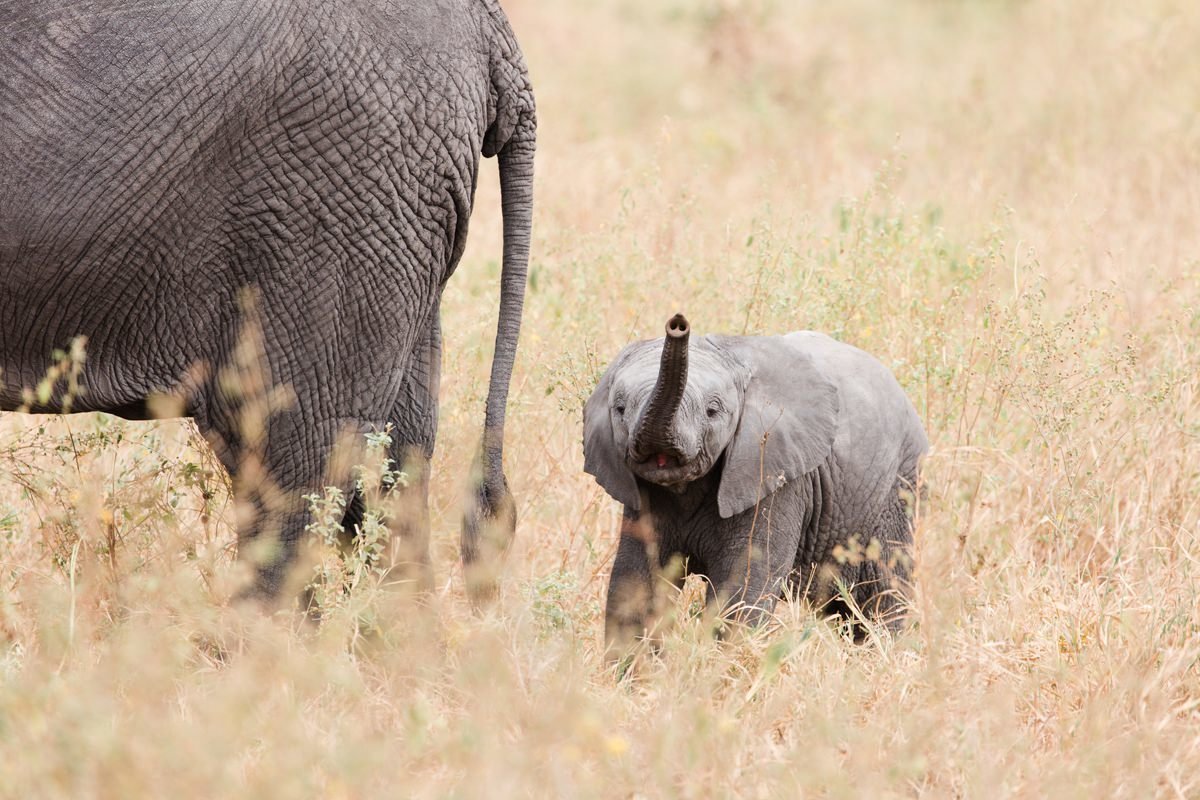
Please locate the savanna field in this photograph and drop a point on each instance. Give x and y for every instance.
(1001, 200)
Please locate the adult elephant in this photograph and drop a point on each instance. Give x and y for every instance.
(159, 159)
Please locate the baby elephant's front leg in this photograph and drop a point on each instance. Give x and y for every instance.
(628, 613)
(749, 574)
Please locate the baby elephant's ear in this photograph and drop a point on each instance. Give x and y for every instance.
(602, 459)
(789, 418)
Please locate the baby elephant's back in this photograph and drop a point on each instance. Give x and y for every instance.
(879, 435)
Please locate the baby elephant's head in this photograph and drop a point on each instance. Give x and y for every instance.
(667, 409)
(673, 406)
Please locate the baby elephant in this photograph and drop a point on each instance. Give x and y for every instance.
(761, 461)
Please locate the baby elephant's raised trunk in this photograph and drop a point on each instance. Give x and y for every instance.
(654, 433)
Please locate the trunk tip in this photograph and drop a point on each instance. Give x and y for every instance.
(677, 327)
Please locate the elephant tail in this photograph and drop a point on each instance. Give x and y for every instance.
(516, 197)
(490, 517)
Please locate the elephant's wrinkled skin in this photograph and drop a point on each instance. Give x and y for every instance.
(156, 159)
(761, 461)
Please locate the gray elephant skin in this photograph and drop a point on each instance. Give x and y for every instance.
(159, 159)
(763, 462)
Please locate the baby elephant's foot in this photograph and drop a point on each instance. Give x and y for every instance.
(743, 617)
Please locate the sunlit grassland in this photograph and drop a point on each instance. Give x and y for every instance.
(999, 199)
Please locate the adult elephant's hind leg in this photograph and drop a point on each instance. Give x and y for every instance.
(414, 421)
(273, 473)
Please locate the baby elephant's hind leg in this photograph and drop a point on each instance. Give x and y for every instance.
(883, 583)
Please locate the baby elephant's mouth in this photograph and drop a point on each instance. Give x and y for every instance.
(666, 469)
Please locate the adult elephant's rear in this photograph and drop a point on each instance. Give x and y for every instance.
(162, 162)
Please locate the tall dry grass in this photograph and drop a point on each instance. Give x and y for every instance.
(1000, 199)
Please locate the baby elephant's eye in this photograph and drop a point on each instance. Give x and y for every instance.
(620, 409)
(714, 408)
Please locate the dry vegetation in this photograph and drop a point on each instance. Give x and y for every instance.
(1000, 199)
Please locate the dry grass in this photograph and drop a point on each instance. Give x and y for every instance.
(1000, 199)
